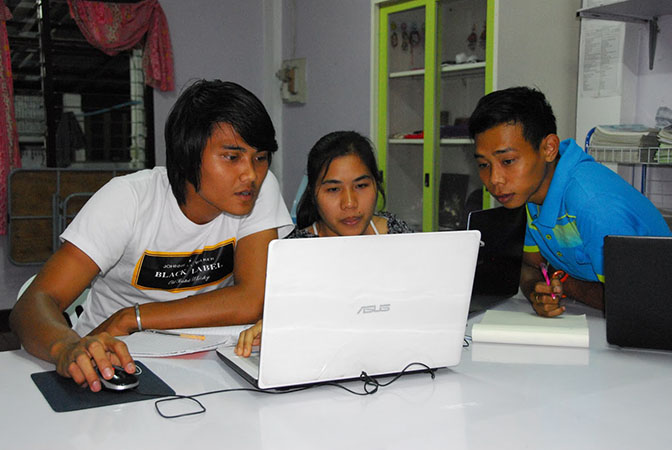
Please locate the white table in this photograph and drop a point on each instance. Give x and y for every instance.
(500, 396)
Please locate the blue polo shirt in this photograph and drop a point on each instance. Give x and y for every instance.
(585, 202)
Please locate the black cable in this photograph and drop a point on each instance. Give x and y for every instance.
(370, 386)
(202, 409)
(179, 397)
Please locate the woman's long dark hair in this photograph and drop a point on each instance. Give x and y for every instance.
(329, 147)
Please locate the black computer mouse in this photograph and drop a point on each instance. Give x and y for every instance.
(120, 381)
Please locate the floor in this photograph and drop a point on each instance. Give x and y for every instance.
(12, 277)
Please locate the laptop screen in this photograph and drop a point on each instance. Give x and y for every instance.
(500, 256)
(638, 310)
(335, 307)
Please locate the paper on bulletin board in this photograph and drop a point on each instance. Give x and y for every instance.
(601, 58)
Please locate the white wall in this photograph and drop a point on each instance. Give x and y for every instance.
(334, 37)
(211, 39)
(654, 87)
(537, 46)
(233, 40)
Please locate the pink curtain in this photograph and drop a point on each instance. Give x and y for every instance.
(10, 156)
(113, 27)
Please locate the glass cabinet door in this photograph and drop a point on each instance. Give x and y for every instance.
(431, 72)
(405, 41)
(463, 36)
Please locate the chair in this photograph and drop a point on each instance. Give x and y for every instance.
(25, 286)
(297, 197)
(72, 312)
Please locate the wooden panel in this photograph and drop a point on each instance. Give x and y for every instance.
(30, 240)
(74, 205)
(31, 192)
(83, 181)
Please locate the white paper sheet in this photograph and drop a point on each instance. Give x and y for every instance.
(601, 58)
(150, 345)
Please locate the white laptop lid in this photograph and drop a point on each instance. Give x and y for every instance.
(335, 307)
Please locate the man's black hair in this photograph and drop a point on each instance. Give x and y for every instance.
(201, 107)
(522, 105)
(325, 150)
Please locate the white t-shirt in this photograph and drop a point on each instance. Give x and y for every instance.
(149, 251)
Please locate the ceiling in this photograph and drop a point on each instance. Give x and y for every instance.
(77, 67)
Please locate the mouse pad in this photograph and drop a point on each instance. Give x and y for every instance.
(64, 395)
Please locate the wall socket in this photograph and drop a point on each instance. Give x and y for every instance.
(293, 77)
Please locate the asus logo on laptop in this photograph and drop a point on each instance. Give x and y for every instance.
(374, 308)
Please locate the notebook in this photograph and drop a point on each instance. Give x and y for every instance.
(500, 256)
(638, 309)
(337, 307)
(517, 327)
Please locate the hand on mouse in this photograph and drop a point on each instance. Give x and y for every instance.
(248, 338)
(76, 358)
(120, 381)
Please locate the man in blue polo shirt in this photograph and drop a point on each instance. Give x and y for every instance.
(572, 201)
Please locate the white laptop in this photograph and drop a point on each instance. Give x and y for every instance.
(337, 307)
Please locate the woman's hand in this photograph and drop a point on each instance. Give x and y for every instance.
(248, 338)
(77, 359)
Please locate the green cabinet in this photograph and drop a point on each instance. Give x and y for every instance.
(431, 64)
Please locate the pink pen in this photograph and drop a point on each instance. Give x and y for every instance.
(544, 270)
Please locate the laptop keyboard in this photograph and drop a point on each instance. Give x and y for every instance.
(254, 358)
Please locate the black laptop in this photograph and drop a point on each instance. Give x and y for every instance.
(638, 302)
(500, 256)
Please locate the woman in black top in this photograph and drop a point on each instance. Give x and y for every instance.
(344, 185)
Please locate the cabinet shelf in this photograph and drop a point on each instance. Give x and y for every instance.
(408, 73)
(628, 11)
(632, 155)
(407, 141)
(456, 141)
(456, 69)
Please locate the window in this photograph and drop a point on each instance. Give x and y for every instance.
(75, 105)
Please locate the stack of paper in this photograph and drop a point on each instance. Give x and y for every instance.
(145, 344)
(624, 135)
(530, 354)
(508, 327)
(664, 155)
